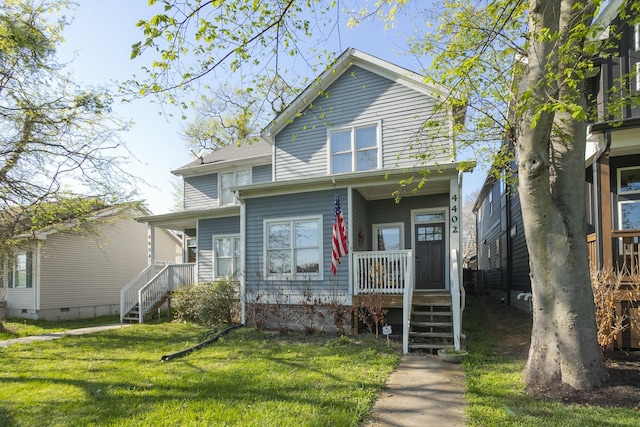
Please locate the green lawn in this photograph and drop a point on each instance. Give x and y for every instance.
(495, 392)
(248, 378)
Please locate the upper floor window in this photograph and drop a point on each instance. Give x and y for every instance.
(629, 180)
(232, 179)
(355, 149)
(293, 247)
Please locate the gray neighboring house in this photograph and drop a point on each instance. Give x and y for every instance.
(60, 274)
(264, 211)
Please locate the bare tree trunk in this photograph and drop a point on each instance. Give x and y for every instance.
(564, 346)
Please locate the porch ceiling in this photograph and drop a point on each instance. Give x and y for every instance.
(181, 221)
(385, 191)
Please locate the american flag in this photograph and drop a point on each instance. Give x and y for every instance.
(339, 237)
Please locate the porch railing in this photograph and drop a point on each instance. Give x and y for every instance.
(129, 293)
(171, 277)
(625, 253)
(384, 272)
(407, 300)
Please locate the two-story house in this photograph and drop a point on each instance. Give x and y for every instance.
(612, 178)
(265, 210)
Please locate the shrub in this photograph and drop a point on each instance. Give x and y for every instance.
(207, 304)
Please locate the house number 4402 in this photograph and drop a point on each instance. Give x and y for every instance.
(454, 213)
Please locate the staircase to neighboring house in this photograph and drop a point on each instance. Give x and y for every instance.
(431, 326)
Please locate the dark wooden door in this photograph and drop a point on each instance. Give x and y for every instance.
(429, 256)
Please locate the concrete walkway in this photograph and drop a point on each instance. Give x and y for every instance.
(423, 391)
(56, 335)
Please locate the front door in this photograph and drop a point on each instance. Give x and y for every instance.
(430, 248)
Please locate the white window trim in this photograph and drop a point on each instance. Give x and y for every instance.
(376, 227)
(352, 128)
(636, 34)
(293, 275)
(215, 254)
(619, 174)
(235, 181)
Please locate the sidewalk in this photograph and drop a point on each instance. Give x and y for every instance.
(57, 335)
(423, 391)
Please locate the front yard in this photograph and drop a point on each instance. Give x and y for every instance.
(247, 378)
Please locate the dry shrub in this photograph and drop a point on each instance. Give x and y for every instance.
(610, 288)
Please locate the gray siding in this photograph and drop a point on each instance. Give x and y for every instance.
(207, 228)
(387, 211)
(261, 174)
(359, 97)
(361, 240)
(292, 206)
(201, 192)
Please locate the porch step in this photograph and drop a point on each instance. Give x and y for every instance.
(432, 334)
(425, 346)
(431, 326)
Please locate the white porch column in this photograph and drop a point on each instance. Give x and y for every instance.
(455, 242)
(151, 244)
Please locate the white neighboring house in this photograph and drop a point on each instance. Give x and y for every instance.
(59, 274)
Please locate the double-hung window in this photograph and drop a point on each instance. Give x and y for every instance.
(354, 149)
(293, 248)
(20, 274)
(231, 179)
(226, 255)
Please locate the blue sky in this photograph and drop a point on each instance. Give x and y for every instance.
(98, 43)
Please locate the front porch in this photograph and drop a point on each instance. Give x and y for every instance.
(430, 319)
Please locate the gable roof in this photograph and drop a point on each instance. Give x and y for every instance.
(348, 58)
(251, 151)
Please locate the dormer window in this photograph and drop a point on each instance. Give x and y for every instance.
(232, 179)
(354, 149)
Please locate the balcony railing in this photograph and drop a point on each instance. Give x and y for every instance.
(383, 272)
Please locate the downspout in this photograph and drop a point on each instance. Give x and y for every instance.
(597, 214)
(243, 255)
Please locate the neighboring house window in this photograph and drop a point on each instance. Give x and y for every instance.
(490, 196)
(355, 149)
(388, 237)
(503, 181)
(630, 215)
(232, 179)
(293, 247)
(226, 255)
(629, 180)
(629, 186)
(636, 33)
(20, 274)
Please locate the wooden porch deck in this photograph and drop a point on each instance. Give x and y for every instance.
(419, 297)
